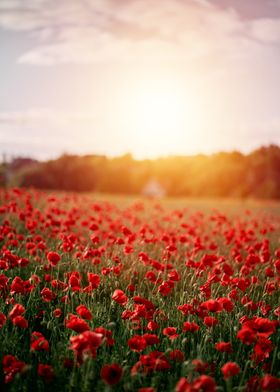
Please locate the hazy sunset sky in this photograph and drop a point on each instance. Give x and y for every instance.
(150, 77)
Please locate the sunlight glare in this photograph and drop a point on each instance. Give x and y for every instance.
(156, 116)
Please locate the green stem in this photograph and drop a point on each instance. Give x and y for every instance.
(243, 375)
(229, 384)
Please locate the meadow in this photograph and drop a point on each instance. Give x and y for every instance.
(103, 293)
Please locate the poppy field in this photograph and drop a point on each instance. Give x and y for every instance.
(138, 295)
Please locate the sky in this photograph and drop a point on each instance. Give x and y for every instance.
(149, 77)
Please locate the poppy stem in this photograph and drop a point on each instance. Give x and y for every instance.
(229, 384)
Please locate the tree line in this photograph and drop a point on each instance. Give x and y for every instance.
(224, 174)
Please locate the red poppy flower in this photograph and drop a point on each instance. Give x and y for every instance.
(77, 324)
(53, 258)
(154, 361)
(270, 383)
(164, 289)
(170, 332)
(74, 281)
(264, 326)
(111, 374)
(226, 303)
(2, 319)
(183, 385)
(20, 322)
(137, 343)
(262, 349)
(93, 279)
(204, 384)
(200, 366)
(253, 384)
(152, 325)
(46, 372)
(86, 343)
(84, 312)
(11, 367)
(177, 355)
(17, 310)
(210, 321)
(57, 312)
(230, 369)
(224, 347)
(151, 339)
(107, 334)
(120, 297)
(247, 335)
(212, 305)
(190, 327)
(47, 294)
(174, 276)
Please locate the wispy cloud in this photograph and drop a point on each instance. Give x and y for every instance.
(45, 132)
(46, 116)
(93, 31)
(266, 30)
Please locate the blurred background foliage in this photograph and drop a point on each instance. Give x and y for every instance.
(222, 174)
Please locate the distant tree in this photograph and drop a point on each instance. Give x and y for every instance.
(219, 175)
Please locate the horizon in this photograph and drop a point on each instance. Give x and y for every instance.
(10, 158)
(143, 77)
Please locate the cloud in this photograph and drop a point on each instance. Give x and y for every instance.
(145, 31)
(46, 131)
(266, 30)
(35, 117)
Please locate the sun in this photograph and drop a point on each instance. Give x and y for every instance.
(155, 117)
